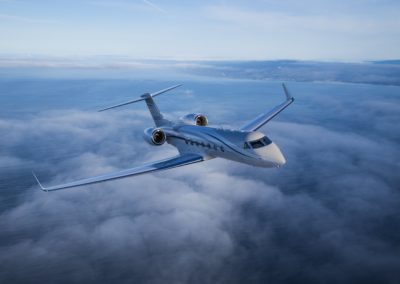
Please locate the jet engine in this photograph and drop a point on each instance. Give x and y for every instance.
(154, 136)
(195, 119)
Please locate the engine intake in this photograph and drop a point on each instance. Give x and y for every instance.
(155, 136)
(195, 119)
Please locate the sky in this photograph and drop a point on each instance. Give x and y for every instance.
(308, 30)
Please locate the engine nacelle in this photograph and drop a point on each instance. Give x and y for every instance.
(195, 119)
(154, 136)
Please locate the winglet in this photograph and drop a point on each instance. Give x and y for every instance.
(263, 118)
(288, 95)
(37, 180)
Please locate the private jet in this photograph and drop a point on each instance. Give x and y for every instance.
(197, 142)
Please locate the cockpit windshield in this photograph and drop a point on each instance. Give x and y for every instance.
(256, 144)
(264, 141)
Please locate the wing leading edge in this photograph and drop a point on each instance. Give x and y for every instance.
(170, 163)
(267, 116)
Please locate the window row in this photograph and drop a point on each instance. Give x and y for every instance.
(206, 145)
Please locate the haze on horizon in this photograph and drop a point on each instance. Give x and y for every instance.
(307, 30)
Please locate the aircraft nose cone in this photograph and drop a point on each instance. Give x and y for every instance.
(275, 156)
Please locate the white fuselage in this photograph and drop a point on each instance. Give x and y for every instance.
(197, 142)
(249, 147)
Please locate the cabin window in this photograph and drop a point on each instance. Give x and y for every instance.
(246, 146)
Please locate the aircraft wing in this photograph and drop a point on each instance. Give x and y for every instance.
(267, 116)
(174, 162)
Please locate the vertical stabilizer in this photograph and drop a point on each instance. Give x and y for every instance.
(158, 118)
(154, 111)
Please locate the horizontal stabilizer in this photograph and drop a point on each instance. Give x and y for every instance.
(143, 97)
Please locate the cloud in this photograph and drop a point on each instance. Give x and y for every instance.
(156, 7)
(329, 215)
(269, 20)
(116, 4)
(129, 5)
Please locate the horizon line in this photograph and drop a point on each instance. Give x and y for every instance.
(110, 58)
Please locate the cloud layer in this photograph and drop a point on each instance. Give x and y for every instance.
(330, 215)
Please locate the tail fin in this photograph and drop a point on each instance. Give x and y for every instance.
(154, 111)
(148, 98)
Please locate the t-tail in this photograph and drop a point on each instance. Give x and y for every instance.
(158, 118)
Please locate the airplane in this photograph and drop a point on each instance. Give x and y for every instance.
(197, 142)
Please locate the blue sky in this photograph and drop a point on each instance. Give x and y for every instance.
(312, 30)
